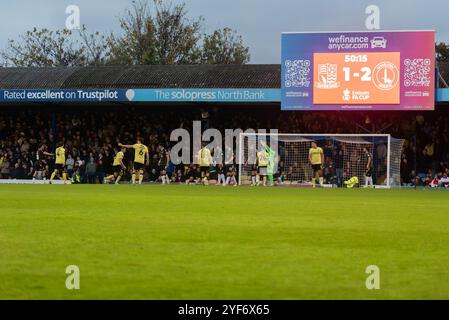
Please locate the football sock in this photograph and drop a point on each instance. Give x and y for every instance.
(133, 178)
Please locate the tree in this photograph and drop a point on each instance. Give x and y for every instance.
(224, 47)
(95, 47)
(42, 48)
(442, 52)
(45, 48)
(137, 45)
(161, 34)
(152, 32)
(177, 37)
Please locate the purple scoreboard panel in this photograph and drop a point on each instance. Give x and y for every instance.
(379, 70)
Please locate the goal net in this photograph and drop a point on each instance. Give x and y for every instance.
(345, 156)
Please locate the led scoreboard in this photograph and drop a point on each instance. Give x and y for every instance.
(356, 78)
(358, 70)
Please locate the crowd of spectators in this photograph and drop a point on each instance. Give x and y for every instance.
(92, 136)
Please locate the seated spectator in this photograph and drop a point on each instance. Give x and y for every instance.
(444, 181)
(18, 172)
(153, 176)
(434, 183)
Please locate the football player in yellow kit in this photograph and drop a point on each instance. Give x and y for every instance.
(119, 167)
(141, 158)
(59, 163)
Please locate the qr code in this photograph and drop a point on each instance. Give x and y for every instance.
(297, 73)
(417, 72)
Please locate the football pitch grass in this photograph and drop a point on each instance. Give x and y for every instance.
(195, 242)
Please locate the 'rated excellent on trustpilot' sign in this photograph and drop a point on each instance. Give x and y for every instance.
(356, 78)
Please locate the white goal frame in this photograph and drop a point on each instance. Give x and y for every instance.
(267, 135)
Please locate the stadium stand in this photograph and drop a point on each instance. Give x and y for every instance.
(26, 127)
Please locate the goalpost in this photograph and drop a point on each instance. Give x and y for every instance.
(345, 156)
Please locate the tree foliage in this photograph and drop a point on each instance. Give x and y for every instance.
(46, 48)
(152, 32)
(442, 51)
(226, 47)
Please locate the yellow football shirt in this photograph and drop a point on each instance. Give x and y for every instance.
(140, 151)
(205, 157)
(315, 155)
(262, 158)
(119, 156)
(60, 155)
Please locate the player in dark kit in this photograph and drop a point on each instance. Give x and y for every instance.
(42, 152)
(369, 169)
(254, 175)
(231, 172)
(163, 162)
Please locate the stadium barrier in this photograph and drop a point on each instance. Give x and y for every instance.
(23, 181)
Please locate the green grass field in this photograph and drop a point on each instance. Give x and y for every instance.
(193, 242)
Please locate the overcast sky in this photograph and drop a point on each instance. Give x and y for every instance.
(260, 22)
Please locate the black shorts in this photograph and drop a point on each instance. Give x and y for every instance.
(263, 171)
(60, 167)
(162, 168)
(138, 166)
(118, 169)
(254, 171)
(230, 170)
(316, 167)
(192, 175)
(205, 169)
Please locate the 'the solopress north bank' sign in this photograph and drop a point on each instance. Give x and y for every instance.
(391, 70)
(142, 95)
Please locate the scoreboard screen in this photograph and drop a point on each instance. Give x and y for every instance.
(361, 70)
